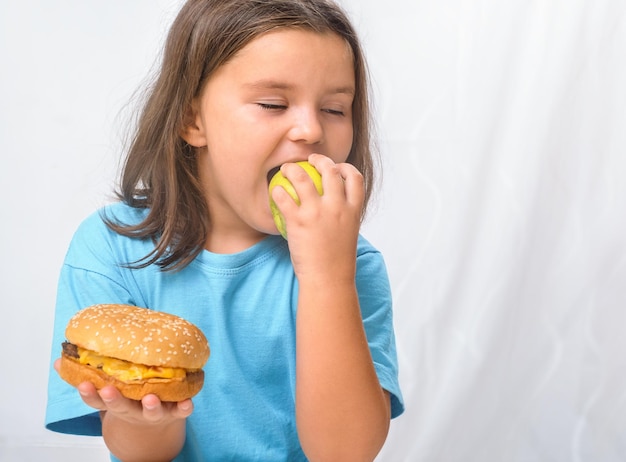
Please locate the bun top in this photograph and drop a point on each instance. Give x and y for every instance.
(139, 335)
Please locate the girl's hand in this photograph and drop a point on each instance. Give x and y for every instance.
(150, 410)
(339, 401)
(138, 430)
(323, 230)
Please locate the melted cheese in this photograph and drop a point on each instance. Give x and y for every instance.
(126, 371)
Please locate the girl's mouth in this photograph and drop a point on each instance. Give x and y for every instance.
(271, 173)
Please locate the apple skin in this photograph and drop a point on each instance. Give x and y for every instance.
(279, 180)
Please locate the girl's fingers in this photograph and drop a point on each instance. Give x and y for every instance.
(353, 184)
(184, 408)
(340, 180)
(90, 396)
(152, 408)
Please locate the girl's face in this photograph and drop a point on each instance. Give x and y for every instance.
(285, 95)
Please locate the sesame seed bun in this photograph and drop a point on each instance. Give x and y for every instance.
(139, 336)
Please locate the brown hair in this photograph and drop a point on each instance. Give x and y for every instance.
(161, 172)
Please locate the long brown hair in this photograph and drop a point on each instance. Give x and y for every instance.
(161, 171)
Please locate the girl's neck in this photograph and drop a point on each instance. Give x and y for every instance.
(231, 241)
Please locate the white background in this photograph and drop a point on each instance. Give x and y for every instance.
(502, 213)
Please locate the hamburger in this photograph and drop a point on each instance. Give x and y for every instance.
(137, 350)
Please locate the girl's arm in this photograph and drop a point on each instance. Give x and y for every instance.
(146, 430)
(342, 412)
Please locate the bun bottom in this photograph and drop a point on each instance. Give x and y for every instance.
(173, 390)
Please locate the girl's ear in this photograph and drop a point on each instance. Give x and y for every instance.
(193, 130)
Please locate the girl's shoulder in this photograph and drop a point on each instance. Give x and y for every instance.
(98, 248)
(94, 232)
(365, 247)
(117, 212)
(122, 213)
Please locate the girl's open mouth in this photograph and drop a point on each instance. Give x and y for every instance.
(271, 173)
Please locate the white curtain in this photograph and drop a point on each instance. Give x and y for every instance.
(501, 213)
(503, 219)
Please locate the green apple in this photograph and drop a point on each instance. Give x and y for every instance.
(279, 180)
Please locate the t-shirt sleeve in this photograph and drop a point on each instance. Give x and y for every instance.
(376, 309)
(89, 276)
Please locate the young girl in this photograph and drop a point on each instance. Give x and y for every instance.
(303, 362)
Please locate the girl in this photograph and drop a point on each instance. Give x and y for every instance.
(303, 362)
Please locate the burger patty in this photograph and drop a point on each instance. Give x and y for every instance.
(70, 350)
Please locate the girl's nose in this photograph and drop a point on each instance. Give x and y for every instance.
(307, 127)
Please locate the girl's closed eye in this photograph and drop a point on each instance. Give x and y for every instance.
(337, 112)
(272, 106)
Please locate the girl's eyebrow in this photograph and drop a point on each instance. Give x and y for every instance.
(344, 90)
(268, 84)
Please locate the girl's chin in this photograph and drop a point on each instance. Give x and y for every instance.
(267, 228)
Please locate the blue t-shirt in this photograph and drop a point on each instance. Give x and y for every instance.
(245, 303)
